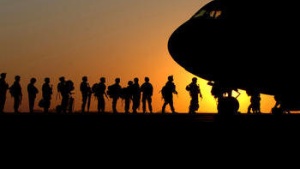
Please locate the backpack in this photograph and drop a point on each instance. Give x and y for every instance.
(164, 91)
(110, 91)
(123, 93)
(95, 89)
(70, 85)
(12, 90)
(41, 103)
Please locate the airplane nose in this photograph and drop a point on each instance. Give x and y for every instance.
(198, 47)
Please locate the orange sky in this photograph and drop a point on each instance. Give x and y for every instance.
(110, 38)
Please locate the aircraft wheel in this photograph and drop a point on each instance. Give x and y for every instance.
(277, 111)
(228, 106)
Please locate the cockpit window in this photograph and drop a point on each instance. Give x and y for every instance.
(200, 13)
(211, 10)
(215, 14)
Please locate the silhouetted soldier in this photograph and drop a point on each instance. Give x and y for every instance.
(47, 92)
(32, 92)
(281, 104)
(147, 92)
(136, 95)
(254, 101)
(3, 90)
(216, 89)
(61, 89)
(114, 92)
(16, 92)
(99, 91)
(64, 88)
(195, 92)
(86, 91)
(127, 95)
(70, 88)
(167, 93)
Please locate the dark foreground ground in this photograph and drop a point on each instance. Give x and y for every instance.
(161, 128)
(151, 138)
(131, 122)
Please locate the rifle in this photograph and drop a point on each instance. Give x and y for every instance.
(20, 98)
(106, 96)
(89, 101)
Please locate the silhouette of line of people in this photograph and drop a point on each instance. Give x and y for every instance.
(137, 98)
(134, 94)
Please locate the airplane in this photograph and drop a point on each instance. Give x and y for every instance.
(243, 44)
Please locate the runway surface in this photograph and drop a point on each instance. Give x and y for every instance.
(155, 133)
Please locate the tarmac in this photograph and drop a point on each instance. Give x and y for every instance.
(151, 136)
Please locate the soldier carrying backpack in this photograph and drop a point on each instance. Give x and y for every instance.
(99, 92)
(114, 92)
(167, 93)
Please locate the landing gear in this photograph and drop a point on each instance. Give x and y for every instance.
(279, 111)
(228, 106)
(284, 104)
